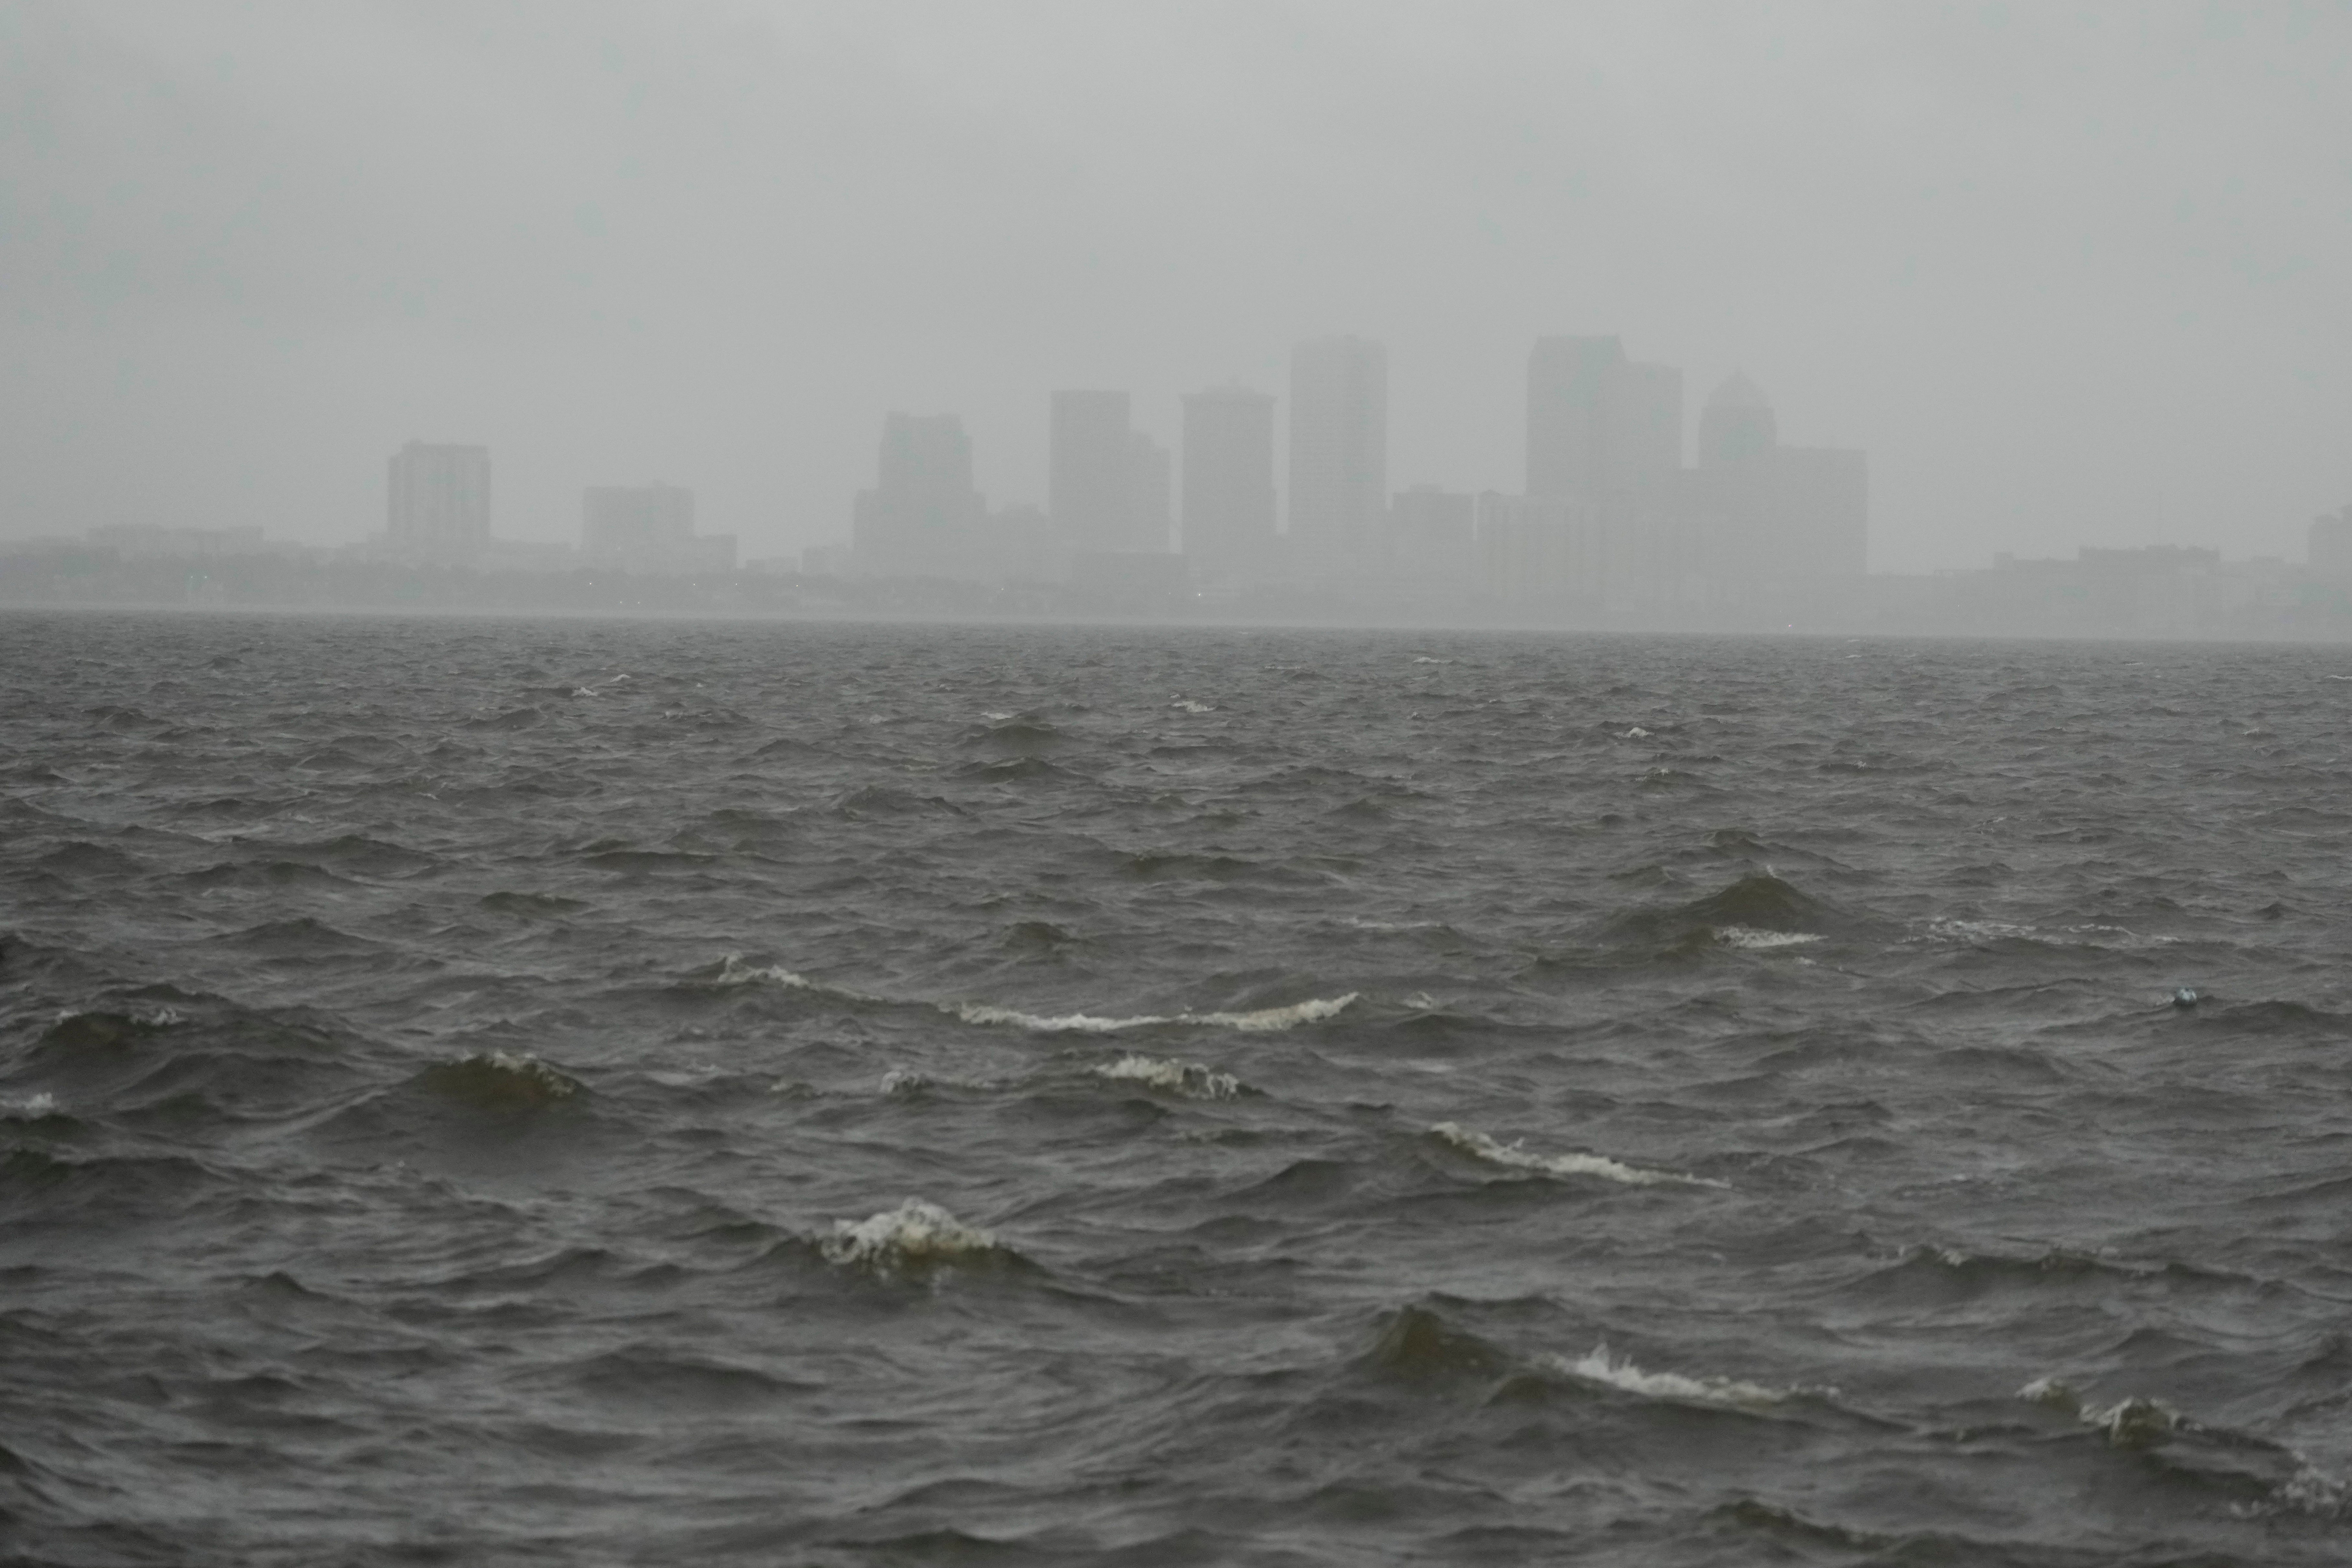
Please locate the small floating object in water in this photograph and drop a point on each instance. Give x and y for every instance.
(2186, 997)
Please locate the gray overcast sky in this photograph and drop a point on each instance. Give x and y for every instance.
(2072, 275)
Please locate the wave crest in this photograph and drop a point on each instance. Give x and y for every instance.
(1263, 1020)
(1479, 1146)
(917, 1233)
(1174, 1077)
(1597, 1365)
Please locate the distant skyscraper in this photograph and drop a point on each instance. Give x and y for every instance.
(1599, 424)
(922, 518)
(1736, 424)
(635, 519)
(2330, 542)
(1338, 447)
(1780, 513)
(1090, 481)
(1228, 501)
(439, 498)
(1566, 379)
(1151, 493)
(648, 527)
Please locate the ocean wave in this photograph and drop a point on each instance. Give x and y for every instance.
(1479, 1146)
(28, 1108)
(917, 1233)
(499, 1080)
(733, 971)
(1597, 1365)
(1264, 1020)
(2133, 1423)
(1187, 705)
(1176, 1078)
(1756, 940)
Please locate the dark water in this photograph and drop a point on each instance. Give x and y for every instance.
(582, 1093)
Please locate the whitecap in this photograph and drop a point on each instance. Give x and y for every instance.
(733, 971)
(1189, 706)
(1425, 658)
(1598, 1366)
(1174, 1077)
(1480, 1146)
(1755, 941)
(2133, 1423)
(1635, 733)
(916, 1232)
(904, 1080)
(1264, 1020)
(31, 1107)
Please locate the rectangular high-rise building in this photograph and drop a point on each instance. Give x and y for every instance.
(1338, 448)
(1599, 424)
(635, 519)
(923, 518)
(1151, 493)
(439, 498)
(1090, 483)
(1228, 500)
(1567, 378)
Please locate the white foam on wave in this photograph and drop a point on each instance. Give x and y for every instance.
(1597, 1365)
(1264, 1020)
(1756, 940)
(1479, 1145)
(1189, 706)
(1174, 1077)
(31, 1107)
(735, 972)
(916, 1232)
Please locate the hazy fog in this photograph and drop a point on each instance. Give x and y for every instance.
(2070, 274)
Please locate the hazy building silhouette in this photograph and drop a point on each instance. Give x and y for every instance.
(1152, 494)
(1090, 488)
(1433, 541)
(648, 527)
(1737, 423)
(2331, 544)
(1228, 495)
(1339, 448)
(1567, 378)
(440, 499)
(623, 519)
(1769, 513)
(923, 517)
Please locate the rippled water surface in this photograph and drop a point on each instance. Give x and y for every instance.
(564, 1092)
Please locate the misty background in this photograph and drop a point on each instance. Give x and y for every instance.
(2070, 274)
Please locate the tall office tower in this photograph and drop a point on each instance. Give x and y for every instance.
(1642, 425)
(2330, 542)
(1780, 514)
(1089, 486)
(1228, 501)
(1736, 424)
(1151, 494)
(922, 518)
(1597, 422)
(635, 519)
(440, 497)
(1338, 448)
(1568, 379)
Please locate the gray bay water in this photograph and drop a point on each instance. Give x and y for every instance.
(574, 1093)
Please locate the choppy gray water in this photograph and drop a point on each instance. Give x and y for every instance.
(682, 1093)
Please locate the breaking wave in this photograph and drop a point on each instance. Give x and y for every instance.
(1174, 1077)
(916, 1234)
(1597, 1365)
(1264, 1020)
(1763, 940)
(1479, 1146)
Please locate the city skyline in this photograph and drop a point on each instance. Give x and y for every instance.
(2054, 303)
